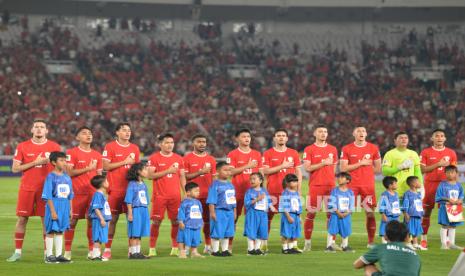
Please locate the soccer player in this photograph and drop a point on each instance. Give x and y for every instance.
(243, 161)
(401, 162)
(277, 163)
(433, 161)
(32, 159)
(118, 156)
(320, 161)
(166, 168)
(200, 167)
(362, 160)
(83, 164)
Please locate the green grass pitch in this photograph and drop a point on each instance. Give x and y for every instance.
(434, 261)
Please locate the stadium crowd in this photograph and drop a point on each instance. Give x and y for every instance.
(186, 89)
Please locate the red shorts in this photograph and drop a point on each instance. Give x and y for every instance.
(206, 211)
(162, 204)
(30, 203)
(318, 195)
(430, 194)
(81, 203)
(367, 196)
(116, 202)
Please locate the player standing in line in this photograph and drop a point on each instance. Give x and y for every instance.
(83, 164)
(166, 168)
(200, 168)
(433, 161)
(243, 161)
(401, 163)
(277, 163)
(320, 161)
(118, 156)
(362, 160)
(32, 160)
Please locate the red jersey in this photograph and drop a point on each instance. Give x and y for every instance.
(430, 156)
(237, 158)
(78, 158)
(273, 158)
(365, 175)
(194, 163)
(315, 154)
(169, 185)
(115, 152)
(26, 152)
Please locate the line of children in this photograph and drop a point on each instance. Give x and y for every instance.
(449, 195)
(257, 203)
(389, 205)
(190, 222)
(341, 206)
(58, 194)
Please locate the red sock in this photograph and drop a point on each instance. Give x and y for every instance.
(90, 243)
(110, 241)
(308, 226)
(371, 229)
(154, 231)
(206, 233)
(19, 238)
(328, 215)
(174, 234)
(69, 236)
(425, 222)
(43, 236)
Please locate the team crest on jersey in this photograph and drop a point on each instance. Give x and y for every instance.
(330, 155)
(176, 164)
(47, 154)
(208, 165)
(228, 160)
(290, 159)
(68, 157)
(385, 162)
(104, 153)
(132, 155)
(447, 158)
(367, 156)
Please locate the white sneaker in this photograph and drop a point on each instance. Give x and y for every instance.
(90, 255)
(207, 250)
(456, 247)
(67, 255)
(444, 247)
(336, 247)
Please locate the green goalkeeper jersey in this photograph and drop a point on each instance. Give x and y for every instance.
(395, 158)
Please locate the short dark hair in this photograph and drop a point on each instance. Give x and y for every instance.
(97, 181)
(397, 134)
(163, 136)
(54, 155)
(388, 181)
(220, 164)
(346, 175)
(82, 128)
(39, 121)
(260, 176)
(411, 179)
(396, 231)
(451, 168)
(198, 135)
(289, 178)
(281, 130)
(438, 130)
(133, 172)
(320, 126)
(120, 125)
(242, 130)
(191, 185)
